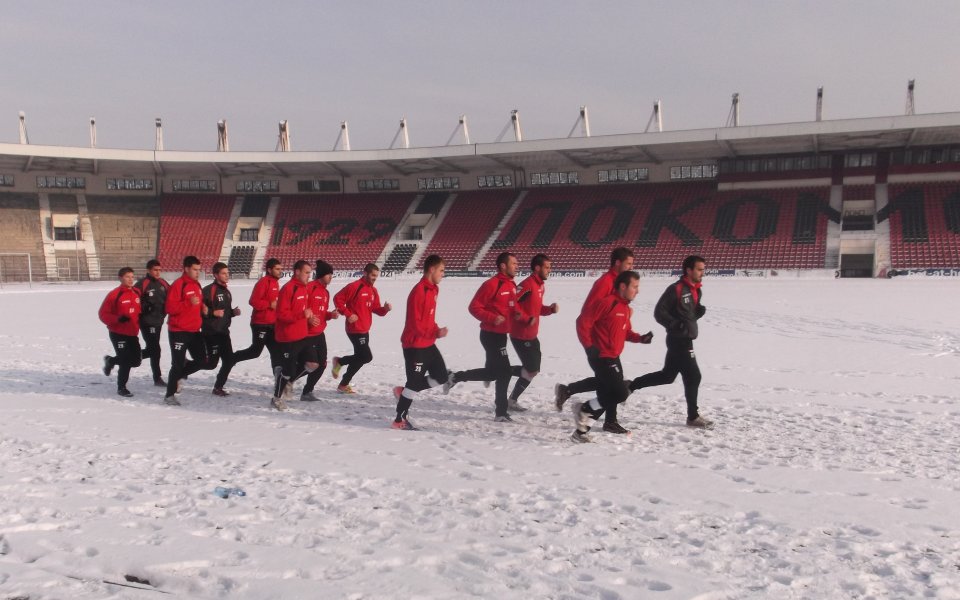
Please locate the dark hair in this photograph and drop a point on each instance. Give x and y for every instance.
(370, 268)
(123, 272)
(691, 261)
(538, 260)
(322, 269)
(189, 261)
(300, 264)
(272, 263)
(625, 278)
(217, 267)
(619, 255)
(432, 261)
(152, 263)
(503, 258)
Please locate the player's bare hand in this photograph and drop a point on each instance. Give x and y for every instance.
(442, 332)
(352, 319)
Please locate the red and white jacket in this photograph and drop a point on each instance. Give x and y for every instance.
(292, 304)
(420, 329)
(320, 305)
(361, 299)
(529, 305)
(497, 296)
(121, 301)
(184, 316)
(605, 325)
(266, 290)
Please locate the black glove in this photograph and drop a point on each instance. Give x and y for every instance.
(124, 319)
(593, 353)
(701, 310)
(646, 338)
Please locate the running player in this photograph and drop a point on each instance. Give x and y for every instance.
(153, 295)
(494, 305)
(422, 359)
(317, 325)
(293, 345)
(678, 310)
(621, 259)
(216, 325)
(358, 302)
(263, 299)
(526, 325)
(120, 312)
(603, 328)
(185, 307)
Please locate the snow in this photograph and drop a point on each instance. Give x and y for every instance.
(831, 472)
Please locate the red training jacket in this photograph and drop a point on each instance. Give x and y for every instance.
(121, 301)
(531, 306)
(184, 316)
(361, 299)
(264, 292)
(496, 296)
(605, 325)
(602, 288)
(292, 323)
(420, 329)
(319, 304)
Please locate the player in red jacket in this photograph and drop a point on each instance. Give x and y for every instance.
(120, 312)
(263, 300)
(317, 325)
(494, 305)
(424, 363)
(358, 302)
(293, 323)
(185, 306)
(621, 259)
(603, 328)
(526, 325)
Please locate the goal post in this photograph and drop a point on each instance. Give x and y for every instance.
(16, 268)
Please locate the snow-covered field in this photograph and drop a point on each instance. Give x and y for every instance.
(832, 471)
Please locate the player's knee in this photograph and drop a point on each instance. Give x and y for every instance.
(310, 367)
(528, 375)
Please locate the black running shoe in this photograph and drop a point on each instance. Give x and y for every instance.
(615, 427)
(125, 393)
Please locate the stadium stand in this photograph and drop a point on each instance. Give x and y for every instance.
(347, 232)
(578, 227)
(924, 224)
(20, 232)
(125, 231)
(241, 260)
(193, 225)
(471, 220)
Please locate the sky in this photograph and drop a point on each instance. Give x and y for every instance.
(317, 63)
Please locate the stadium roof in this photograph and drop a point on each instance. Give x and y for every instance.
(531, 155)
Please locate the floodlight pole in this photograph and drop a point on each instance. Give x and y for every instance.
(343, 136)
(461, 125)
(911, 107)
(158, 143)
(93, 132)
(402, 131)
(23, 128)
(283, 141)
(223, 137)
(515, 119)
(820, 103)
(655, 117)
(583, 120)
(733, 119)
